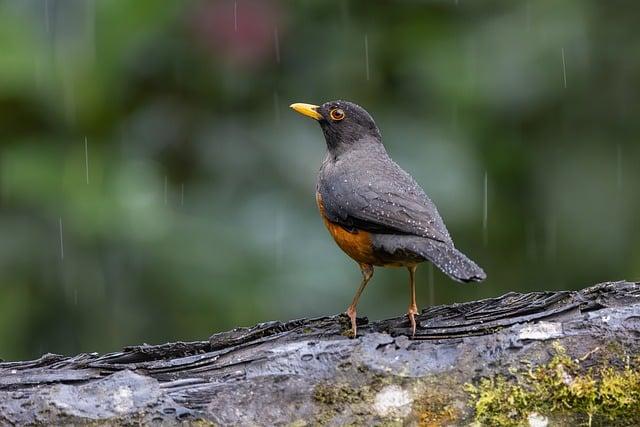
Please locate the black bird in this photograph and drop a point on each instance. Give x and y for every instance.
(375, 211)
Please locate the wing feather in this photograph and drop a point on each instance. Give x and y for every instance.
(378, 196)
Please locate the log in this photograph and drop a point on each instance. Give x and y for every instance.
(482, 361)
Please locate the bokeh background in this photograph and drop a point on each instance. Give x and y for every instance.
(155, 186)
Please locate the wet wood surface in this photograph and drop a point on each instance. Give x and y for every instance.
(309, 372)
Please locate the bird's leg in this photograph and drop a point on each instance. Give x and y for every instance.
(367, 273)
(413, 307)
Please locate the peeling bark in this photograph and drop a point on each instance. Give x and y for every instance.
(308, 372)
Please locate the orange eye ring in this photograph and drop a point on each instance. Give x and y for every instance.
(337, 114)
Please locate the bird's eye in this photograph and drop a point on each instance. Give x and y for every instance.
(336, 114)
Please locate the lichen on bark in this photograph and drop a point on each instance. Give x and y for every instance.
(601, 387)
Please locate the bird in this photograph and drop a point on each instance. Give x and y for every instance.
(375, 211)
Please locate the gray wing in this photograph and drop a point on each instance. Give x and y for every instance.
(374, 194)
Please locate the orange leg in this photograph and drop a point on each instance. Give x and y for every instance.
(413, 307)
(367, 274)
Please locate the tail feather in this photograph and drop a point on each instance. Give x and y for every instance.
(443, 255)
(451, 261)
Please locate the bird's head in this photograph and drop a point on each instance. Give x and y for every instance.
(343, 123)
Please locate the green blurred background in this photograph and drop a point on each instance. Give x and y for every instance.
(197, 213)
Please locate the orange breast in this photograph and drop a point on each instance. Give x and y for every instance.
(356, 244)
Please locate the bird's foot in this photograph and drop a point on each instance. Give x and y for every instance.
(413, 310)
(351, 312)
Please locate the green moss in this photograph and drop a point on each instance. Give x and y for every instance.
(498, 402)
(562, 387)
(343, 393)
(339, 394)
(432, 409)
(334, 398)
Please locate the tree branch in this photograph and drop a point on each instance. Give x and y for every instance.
(308, 371)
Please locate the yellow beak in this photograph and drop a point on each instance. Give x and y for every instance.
(308, 110)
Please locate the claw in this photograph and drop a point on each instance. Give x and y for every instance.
(413, 310)
(351, 312)
(413, 324)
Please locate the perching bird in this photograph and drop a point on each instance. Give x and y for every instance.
(375, 211)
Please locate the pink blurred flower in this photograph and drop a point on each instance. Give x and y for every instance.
(241, 32)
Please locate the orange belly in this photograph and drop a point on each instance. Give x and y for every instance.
(356, 244)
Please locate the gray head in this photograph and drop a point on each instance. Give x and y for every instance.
(343, 123)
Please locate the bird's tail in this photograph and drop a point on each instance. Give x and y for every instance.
(451, 261)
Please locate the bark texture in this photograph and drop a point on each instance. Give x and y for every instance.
(308, 372)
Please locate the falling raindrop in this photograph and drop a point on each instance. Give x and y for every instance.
(47, 17)
(485, 211)
(165, 189)
(276, 42)
(276, 106)
(366, 54)
(432, 287)
(61, 241)
(564, 70)
(86, 157)
(235, 15)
